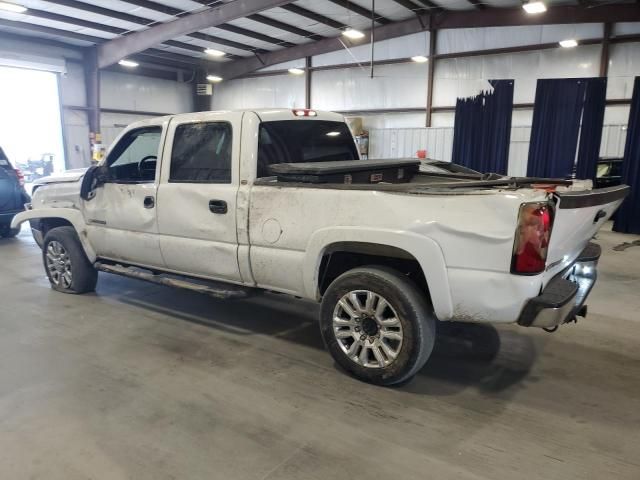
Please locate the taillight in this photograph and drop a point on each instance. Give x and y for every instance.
(535, 221)
(20, 176)
(304, 112)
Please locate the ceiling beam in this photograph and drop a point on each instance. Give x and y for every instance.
(85, 7)
(408, 4)
(479, 4)
(432, 6)
(256, 17)
(116, 49)
(303, 12)
(490, 17)
(361, 11)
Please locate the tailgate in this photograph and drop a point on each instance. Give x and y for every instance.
(578, 216)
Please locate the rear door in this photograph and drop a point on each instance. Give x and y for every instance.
(578, 216)
(197, 195)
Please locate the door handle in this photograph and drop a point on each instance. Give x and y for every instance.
(218, 206)
(149, 202)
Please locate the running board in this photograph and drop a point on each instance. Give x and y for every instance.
(220, 290)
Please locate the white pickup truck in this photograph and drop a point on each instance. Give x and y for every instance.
(236, 202)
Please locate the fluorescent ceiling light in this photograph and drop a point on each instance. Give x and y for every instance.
(420, 59)
(12, 7)
(352, 33)
(128, 63)
(296, 71)
(214, 78)
(333, 134)
(534, 7)
(214, 53)
(569, 43)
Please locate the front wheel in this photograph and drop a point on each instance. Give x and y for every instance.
(377, 325)
(65, 262)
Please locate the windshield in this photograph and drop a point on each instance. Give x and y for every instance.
(297, 141)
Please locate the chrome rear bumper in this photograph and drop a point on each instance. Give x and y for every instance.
(564, 296)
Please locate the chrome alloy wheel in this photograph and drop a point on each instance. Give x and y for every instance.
(58, 264)
(367, 328)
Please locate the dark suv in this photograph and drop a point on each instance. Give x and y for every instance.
(12, 195)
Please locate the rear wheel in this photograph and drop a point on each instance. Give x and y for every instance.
(377, 325)
(65, 262)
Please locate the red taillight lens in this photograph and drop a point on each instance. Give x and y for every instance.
(20, 176)
(532, 239)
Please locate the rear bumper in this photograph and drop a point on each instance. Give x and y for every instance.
(564, 296)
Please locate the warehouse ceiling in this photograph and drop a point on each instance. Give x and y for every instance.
(264, 27)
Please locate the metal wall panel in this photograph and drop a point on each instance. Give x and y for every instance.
(393, 86)
(281, 91)
(134, 92)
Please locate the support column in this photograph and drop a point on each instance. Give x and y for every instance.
(202, 92)
(307, 82)
(604, 53)
(92, 87)
(433, 35)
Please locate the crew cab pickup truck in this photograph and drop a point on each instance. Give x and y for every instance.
(232, 203)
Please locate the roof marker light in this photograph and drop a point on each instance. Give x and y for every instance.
(304, 112)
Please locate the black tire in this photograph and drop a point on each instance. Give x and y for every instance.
(7, 232)
(83, 276)
(412, 308)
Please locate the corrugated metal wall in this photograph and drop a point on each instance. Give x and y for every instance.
(438, 141)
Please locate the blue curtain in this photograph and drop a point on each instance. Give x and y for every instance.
(482, 129)
(556, 123)
(591, 130)
(627, 218)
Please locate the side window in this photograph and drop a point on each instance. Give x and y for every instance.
(134, 158)
(201, 153)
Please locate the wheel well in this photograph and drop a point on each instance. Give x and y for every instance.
(47, 224)
(345, 256)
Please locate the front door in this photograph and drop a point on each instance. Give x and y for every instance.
(197, 196)
(121, 218)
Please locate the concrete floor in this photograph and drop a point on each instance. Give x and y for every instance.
(140, 381)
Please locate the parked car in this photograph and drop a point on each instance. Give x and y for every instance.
(235, 203)
(609, 172)
(13, 196)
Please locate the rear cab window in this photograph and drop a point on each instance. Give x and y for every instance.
(297, 141)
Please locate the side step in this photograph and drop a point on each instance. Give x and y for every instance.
(220, 290)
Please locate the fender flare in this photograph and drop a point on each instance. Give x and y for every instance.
(424, 249)
(73, 216)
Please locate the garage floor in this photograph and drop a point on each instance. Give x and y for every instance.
(144, 382)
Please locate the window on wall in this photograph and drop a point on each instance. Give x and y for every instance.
(201, 153)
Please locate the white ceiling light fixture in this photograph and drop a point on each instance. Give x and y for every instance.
(419, 59)
(12, 7)
(296, 71)
(353, 34)
(533, 7)
(214, 78)
(128, 63)
(214, 53)
(569, 43)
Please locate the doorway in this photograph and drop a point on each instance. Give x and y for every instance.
(30, 121)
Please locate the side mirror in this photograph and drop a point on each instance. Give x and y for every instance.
(93, 178)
